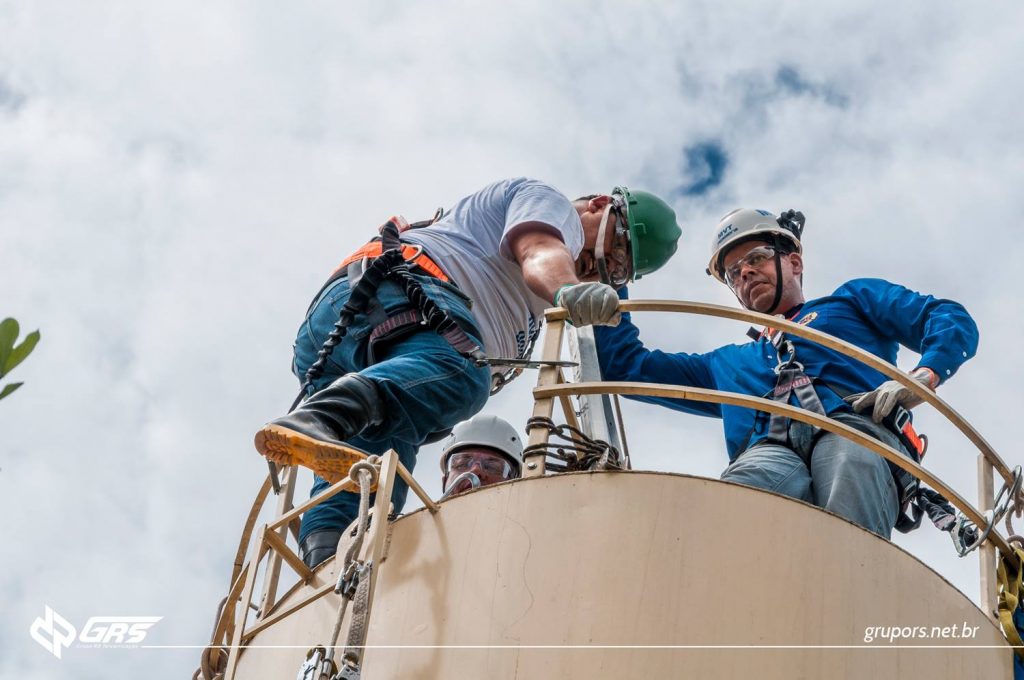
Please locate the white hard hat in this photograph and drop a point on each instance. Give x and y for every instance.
(484, 430)
(746, 224)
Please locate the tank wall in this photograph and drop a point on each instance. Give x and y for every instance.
(560, 577)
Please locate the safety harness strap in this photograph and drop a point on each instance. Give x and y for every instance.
(915, 500)
(395, 322)
(792, 381)
(390, 263)
(412, 254)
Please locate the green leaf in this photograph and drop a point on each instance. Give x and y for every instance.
(18, 354)
(9, 388)
(8, 334)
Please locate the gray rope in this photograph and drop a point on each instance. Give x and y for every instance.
(350, 575)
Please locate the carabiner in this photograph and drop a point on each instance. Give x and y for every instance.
(790, 362)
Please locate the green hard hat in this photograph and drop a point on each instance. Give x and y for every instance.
(653, 231)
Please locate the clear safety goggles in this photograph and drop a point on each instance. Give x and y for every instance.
(754, 259)
(490, 464)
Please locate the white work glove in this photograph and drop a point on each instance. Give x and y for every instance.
(890, 393)
(590, 303)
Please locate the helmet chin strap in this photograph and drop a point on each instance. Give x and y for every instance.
(778, 284)
(602, 267)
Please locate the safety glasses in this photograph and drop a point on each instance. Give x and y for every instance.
(754, 259)
(490, 464)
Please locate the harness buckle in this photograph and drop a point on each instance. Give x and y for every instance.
(416, 253)
(900, 418)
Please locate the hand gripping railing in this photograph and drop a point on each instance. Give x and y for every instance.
(551, 386)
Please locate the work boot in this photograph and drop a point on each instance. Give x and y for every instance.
(313, 435)
(319, 546)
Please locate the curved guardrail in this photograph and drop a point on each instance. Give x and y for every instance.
(551, 386)
(840, 346)
(774, 407)
(267, 542)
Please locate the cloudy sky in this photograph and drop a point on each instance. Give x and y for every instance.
(176, 179)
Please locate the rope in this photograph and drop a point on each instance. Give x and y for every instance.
(358, 299)
(207, 665)
(391, 263)
(586, 453)
(366, 474)
(212, 667)
(353, 586)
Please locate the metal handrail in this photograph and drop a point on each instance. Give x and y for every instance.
(266, 543)
(778, 408)
(831, 342)
(551, 385)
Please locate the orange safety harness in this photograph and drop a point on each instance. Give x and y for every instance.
(387, 257)
(412, 254)
(390, 262)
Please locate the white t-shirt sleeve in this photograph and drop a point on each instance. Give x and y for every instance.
(529, 200)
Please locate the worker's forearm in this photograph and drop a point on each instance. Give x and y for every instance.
(547, 271)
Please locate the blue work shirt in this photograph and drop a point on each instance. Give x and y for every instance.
(872, 314)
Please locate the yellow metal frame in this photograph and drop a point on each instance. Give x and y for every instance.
(551, 385)
(231, 633)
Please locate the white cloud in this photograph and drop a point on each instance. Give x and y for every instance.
(176, 180)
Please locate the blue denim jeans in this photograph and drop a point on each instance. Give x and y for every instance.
(426, 385)
(844, 478)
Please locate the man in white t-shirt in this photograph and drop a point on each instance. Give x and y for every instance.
(409, 363)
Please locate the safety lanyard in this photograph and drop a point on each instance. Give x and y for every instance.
(791, 380)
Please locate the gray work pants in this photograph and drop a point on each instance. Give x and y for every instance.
(843, 478)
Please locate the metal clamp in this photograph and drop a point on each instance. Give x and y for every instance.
(790, 362)
(348, 671)
(349, 582)
(1009, 496)
(316, 665)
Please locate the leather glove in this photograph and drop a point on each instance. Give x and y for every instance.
(890, 393)
(590, 303)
